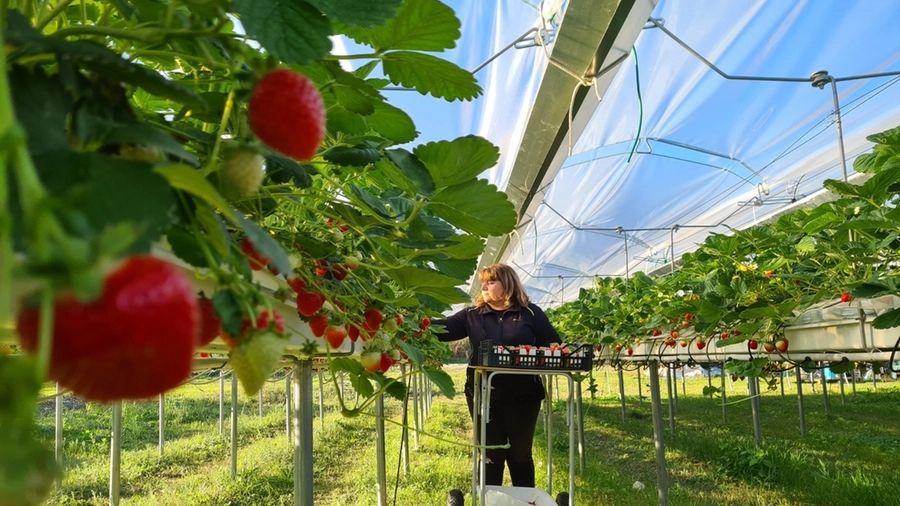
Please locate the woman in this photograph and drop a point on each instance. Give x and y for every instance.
(503, 314)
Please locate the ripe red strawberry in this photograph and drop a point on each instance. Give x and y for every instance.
(297, 284)
(257, 261)
(629, 351)
(846, 297)
(374, 318)
(335, 335)
(386, 362)
(317, 325)
(242, 171)
(353, 332)
(683, 343)
(701, 345)
(370, 360)
(674, 334)
(255, 360)
(426, 322)
(782, 344)
(338, 272)
(309, 303)
(753, 344)
(210, 325)
(656, 332)
(134, 342)
(287, 112)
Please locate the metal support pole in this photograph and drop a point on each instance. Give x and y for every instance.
(874, 377)
(548, 425)
(825, 393)
(415, 410)
(658, 436)
(162, 422)
(404, 417)
(380, 469)
(303, 433)
(221, 402)
(800, 402)
(841, 379)
(754, 408)
(608, 384)
(640, 387)
(288, 414)
(853, 380)
(781, 378)
(671, 401)
(321, 398)
(115, 454)
(58, 432)
(709, 382)
(580, 410)
(724, 397)
(234, 424)
(674, 381)
(683, 381)
(259, 400)
(622, 393)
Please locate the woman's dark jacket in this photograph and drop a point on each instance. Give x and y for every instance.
(514, 326)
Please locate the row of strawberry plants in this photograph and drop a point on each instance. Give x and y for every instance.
(747, 285)
(246, 150)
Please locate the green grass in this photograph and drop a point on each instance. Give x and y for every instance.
(847, 458)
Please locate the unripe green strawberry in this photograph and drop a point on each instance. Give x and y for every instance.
(286, 111)
(242, 171)
(255, 361)
(370, 360)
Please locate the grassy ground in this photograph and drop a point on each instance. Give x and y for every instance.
(847, 458)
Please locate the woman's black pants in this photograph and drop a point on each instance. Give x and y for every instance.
(513, 423)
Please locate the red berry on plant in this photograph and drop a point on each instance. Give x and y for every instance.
(846, 297)
(286, 111)
(210, 325)
(335, 335)
(257, 260)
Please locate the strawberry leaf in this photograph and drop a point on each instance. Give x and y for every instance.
(887, 320)
(292, 30)
(282, 169)
(842, 366)
(192, 181)
(391, 123)
(341, 120)
(356, 156)
(344, 364)
(362, 13)
(227, 306)
(428, 282)
(429, 74)
(476, 207)
(442, 380)
(425, 25)
(414, 354)
(412, 169)
(186, 246)
(395, 389)
(352, 99)
(457, 161)
(266, 245)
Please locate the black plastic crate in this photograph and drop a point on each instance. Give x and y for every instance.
(579, 358)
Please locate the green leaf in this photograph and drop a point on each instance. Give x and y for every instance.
(442, 380)
(822, 222)
(414, 354)
(457, 161)
(759, 312)
(476, 207)
(874, 289)
(363, 13)
(424, 25)
(842, 188)
(341, 120)
(192, 181)
(292, 30)
(864, 163)
(227, 306)
(461, 269)
(373, 203)
(412, 169)
(42, 107)
(889, 137)
(842, 366)
(429, 74)
(266, 245)
(282, 169)
(806, 245)
(428, 282)
(353, 100)
(357, 156)
(887, 320)
(391, 123)
(395, 389)
(185, 246)
(147, 135)
(362, 384)
(345, 364)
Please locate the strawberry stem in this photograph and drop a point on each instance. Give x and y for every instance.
(223, 126)
(45, 331)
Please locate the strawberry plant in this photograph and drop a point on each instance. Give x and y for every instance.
(248, 152)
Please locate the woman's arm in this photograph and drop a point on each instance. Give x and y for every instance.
(456, 327)
(544, 332)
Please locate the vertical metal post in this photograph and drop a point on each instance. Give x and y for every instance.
(303, 433)
(627, 274)
(672, 247)
(671, 401)
(380, 469)
(754, 408)
(825, 392)
(234, 423)
(622, 393)
(548, 426)
(608, 385)
(580, 408)
(709, 382)
(640, 387)
(321, 398)
(841, 379)
(569, 414)
(781, 378)
(674, 375)
(162, 422)
(115, 454)
(259, 400)
(58, 432)
(415, 410)
(840, 131)
(800, 402)
(875, 376)
(853, 379)
(221, 402)
(658, 436)
(476, 436)
(288, 398)
(404, 417)
(724, 397)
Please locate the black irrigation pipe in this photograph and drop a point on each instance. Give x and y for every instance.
(893, 353)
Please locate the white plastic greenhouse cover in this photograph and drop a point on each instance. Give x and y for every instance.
(711, 151)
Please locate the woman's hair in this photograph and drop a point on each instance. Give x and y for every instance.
(513, 291)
